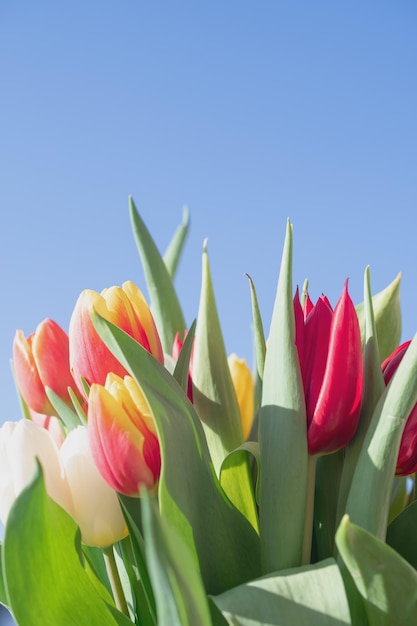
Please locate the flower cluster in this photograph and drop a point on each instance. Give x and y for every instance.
(197, 484)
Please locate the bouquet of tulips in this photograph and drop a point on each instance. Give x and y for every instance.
(154, 480)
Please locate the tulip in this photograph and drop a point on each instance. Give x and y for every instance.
(330, 354)
(125, 306)
(123, 436)
(96, 508)
(245, 392)
(407, 454)
(42, 360)
(20, 444)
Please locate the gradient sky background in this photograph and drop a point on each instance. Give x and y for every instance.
(247, 112)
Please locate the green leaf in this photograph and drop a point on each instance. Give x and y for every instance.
(214, 397)
(182, 367)
(44, 575)
(386, 305)
(369, 496)
(173, 252)
(190, 496)
(385, 580)
(402, 535)
(132, 512)
(260, 343)
(3, 594)
(69, 417)
(312, 595)
(282, 434)
(165, 305)
(328, 472)
(374, 387)
(179, 591)
(215, 401)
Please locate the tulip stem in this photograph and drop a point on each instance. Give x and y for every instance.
(309, 510)
(115, 582)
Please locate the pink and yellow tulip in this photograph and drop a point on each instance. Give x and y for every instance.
(330, 353)
(125, 307)
(42, 360)
(123, 436)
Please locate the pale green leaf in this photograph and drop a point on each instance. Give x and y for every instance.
(282, 434)
(165, 305)
(384, 579)
(311, 595)
(179, 591)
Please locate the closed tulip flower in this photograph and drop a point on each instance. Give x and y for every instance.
(244, 387)
(122, 435)
(125, 307)
(42, 360)
(407, 455)
(96, 508)
(20, 444)
(330, 353)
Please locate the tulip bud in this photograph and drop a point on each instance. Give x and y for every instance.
(245, 391)
(96, 508)
(407, 454)
(330, 353)
(126, 308)
(42, 360)
(20, 444)
(122, 435)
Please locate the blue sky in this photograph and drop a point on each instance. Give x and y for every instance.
(247, 112)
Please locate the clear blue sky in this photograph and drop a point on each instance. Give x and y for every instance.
(248, 112)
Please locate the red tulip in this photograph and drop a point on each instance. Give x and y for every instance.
(126, 308)
(330, 352)
(123, 436)
(42, 360)
(407, 455)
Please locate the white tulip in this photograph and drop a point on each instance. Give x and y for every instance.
(21, 443)
(96, 507)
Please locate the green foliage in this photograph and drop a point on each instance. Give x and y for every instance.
(43, 563)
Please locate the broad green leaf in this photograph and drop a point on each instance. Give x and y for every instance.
(179, 590)
(165, 305)
(214, 396)
(386, 305)
(312, 595)
(282, 434)
(215, 401)
(173, 252)
(45, 579)
(260, 343)
(369, 496)
(374, 387)
(402, 535)
(191, 499)
(384, 579)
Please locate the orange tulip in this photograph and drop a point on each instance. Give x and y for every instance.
(123, 436)
(42, 360)
(125, 307)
